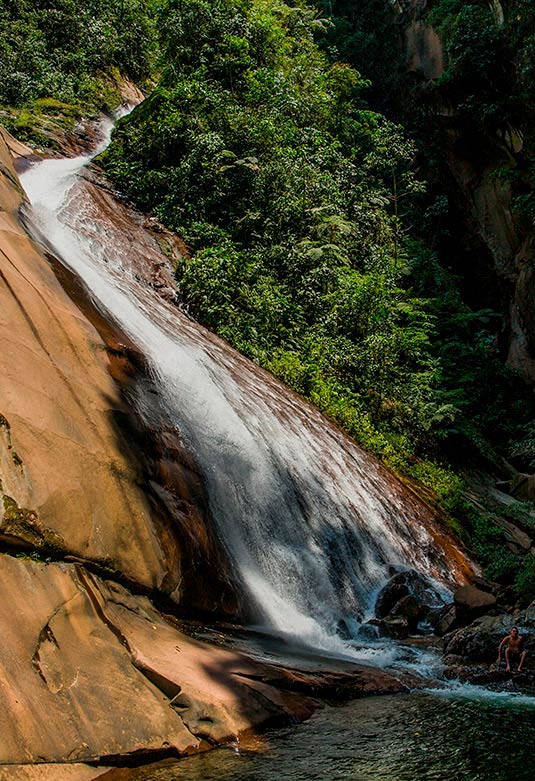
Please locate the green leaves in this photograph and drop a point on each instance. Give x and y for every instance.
(290, 197)
(63, 48)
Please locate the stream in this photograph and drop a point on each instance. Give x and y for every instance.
(417, 737)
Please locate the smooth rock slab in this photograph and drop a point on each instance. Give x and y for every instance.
(68, 690)
(89, 672)
(46, 772)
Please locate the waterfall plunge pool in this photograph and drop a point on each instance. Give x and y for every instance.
(464, 736)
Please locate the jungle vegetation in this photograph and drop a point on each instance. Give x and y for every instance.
(301, 164)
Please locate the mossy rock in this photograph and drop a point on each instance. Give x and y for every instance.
(24, 525)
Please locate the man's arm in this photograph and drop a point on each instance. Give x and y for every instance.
(504, 641)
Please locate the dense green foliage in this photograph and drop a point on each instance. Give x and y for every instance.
(486, 94)
(62, 58)
(289, 193)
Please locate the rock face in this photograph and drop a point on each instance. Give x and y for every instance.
(58, 396)
(90, 671)
(424, 50)
(503, 250)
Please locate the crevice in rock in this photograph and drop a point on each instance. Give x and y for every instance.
(47, 635)
(167, 687)
(93, 594)
(137, 758)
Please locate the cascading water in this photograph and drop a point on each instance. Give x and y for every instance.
(310, 521)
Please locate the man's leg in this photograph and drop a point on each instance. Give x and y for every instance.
(521, 662)
(507, 661)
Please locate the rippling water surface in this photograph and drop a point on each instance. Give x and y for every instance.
(397, 738)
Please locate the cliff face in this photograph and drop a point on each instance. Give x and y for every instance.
(502, 245)
(88, 669)
(67, 436)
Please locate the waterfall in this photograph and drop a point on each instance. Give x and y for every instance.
(310, 522)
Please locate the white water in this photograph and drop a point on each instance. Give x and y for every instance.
(310, 522)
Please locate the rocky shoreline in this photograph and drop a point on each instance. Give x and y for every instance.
(466, 631)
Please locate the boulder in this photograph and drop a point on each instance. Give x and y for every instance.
(409, 608)
(444, 621)
(397, 628)
(472, 602)
(407, 583)
(516, 540)
(405, 600)
(526, 617)
(479, 641)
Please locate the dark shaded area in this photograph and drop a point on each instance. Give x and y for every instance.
(168, 474)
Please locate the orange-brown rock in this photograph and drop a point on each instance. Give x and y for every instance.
(70, 482)
(50, 772)
(89, 671)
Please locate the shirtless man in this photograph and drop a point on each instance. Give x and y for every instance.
(514, 646)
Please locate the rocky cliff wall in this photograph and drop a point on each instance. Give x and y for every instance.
(77, 683)
(506, 250)
(71, 482)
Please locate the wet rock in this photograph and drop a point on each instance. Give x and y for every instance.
(407, 583)
(480, 640)
(494, 677)
(409, 608)
(349, 626)
(406, 600)
(445, 619)
(368, 631)
(397, 628)
(472, 602)
(482, 676)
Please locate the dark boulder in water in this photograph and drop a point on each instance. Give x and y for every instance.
(444, 620)
(408, 595)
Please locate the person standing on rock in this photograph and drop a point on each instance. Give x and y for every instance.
(514, 648)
